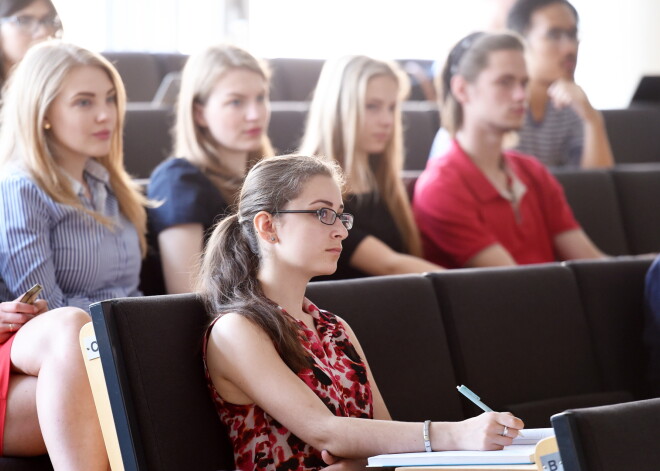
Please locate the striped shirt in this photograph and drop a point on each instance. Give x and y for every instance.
(75, 258)
(557, 141)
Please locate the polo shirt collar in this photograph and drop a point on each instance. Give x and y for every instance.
(477, 182)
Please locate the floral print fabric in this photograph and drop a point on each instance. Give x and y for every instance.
(338, 377)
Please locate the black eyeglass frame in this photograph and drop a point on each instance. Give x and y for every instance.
(345, 218)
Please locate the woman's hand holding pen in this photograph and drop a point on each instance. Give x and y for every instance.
(488, 431)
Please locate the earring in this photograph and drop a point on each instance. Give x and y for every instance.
(46, 126)
(272, 238)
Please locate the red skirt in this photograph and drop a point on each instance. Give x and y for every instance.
(5, 370)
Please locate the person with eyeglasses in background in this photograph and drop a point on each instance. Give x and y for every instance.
(355, 120)
(561, 126)
(24, 23)
(290, 381)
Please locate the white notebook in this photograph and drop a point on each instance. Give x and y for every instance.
(534, 435)
(514, 454)
(520, 453)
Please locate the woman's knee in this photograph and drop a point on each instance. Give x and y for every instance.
(67, 322)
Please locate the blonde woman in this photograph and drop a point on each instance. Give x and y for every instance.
(73, 220)
(355, 119)
(220, 132)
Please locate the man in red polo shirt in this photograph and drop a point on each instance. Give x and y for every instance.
(479, 205)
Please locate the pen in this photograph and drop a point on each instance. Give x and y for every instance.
(465, 391)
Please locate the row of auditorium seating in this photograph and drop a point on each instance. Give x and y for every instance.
(293, 79)
(633, 133)
(533, 340)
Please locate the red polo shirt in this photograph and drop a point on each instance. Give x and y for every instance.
(460, 213)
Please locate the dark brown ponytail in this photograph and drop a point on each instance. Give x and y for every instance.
(228, 277)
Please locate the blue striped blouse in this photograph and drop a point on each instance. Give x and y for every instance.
(76, 259)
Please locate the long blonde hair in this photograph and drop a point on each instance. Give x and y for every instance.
(200, 75)
(28, 94)
(332, 126)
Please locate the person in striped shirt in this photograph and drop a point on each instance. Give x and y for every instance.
(561, 127)
(73, 220)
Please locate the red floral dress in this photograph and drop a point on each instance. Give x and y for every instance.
(339, 379)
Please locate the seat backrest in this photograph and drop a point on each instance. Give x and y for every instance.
(610, 438)
(397, 322)
(633, 134)
(294, 79)
(38, 463)
(421, 122)
(170, 62)
(514, 327)
(591, 195)
(147, 138)
(151, 354)
(612, 295)
(638, 190)
(287, 125)
(140, 72)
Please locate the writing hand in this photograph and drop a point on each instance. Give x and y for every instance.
(484, 432)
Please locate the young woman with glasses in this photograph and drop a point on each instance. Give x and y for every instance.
(220, 132)
(24, 23)
(355, 119)
(290, 381)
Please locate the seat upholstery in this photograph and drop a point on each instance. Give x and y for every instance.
(151, 354)
(140, 72)
(633, 134)
(294, 79)
(611, 290)
(397, 322)
(147, 138)
(610, 438)
(38, 463)
(591, 195)
(421, 122)
(514, 327)
(638, 190)
(287, 125)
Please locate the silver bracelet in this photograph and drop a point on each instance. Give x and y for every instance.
(427, 437)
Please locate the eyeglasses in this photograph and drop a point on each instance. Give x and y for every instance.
(326, 215)
(30, 24)
(555, 35)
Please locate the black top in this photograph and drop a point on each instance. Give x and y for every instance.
(187, 195)
(372, 217)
